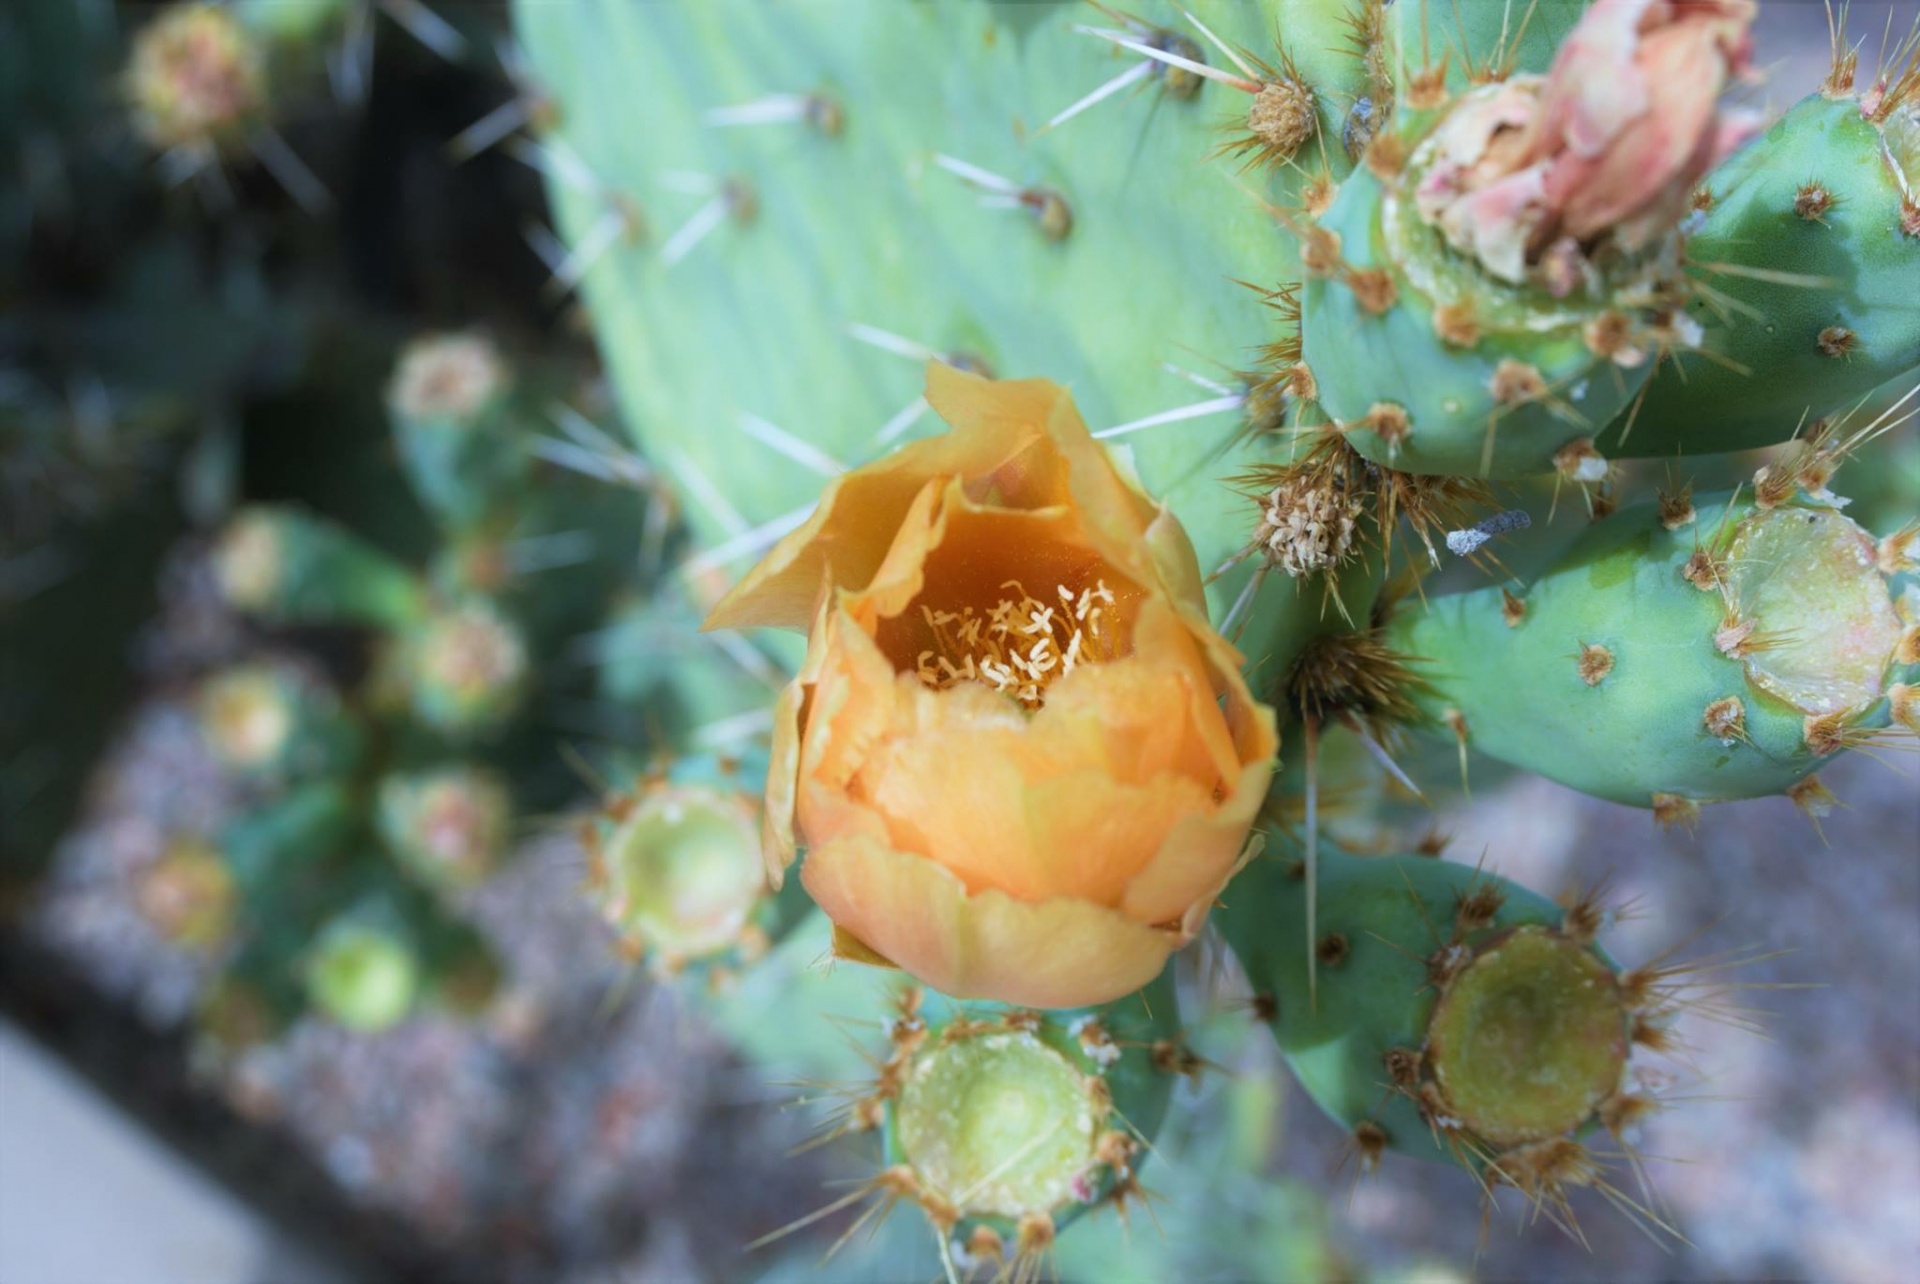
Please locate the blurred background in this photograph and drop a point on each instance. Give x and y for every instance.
(299, 975)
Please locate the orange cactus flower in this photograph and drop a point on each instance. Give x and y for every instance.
(1020, 759)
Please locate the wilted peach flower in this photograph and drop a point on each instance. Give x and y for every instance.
(1614, 141)
(1021, 761)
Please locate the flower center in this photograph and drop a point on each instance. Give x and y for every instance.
(1021, 644)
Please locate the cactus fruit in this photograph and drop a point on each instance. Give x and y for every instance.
(362, 975)
(463, 669)
(675, 867)
(1690, 651)
(197, 79)
(1004, 1124)
(188, 895)
(447, 825)
(276, 722)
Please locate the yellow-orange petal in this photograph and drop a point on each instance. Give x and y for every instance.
(1052, 954)
(777, 844)
(1072, 469)
(1198, 855)
(853, 527)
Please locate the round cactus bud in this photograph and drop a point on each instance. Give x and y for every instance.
(362, 975)
(1529, 1038)
(196, 78)
(447, 825)
(188, 895)
(677, 871)
(464, 668)
(274, 721)
(447, 377)
(1004, 1124)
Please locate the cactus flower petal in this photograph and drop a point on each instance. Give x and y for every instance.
(1048, 954)
(1014, 720)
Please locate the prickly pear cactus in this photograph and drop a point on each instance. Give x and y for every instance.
(1256, 315)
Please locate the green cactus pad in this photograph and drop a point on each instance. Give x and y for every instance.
(1457, 1016)
(1814, 289)
(1501, 397)
(1617, 674)
(866, 228)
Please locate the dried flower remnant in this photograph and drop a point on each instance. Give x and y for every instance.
(1532, 175)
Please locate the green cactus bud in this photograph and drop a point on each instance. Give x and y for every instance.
(463, 669)
(448, 825)
(289, 566)
(1005, 1124)
(1809, 249)
(188, 895)
(196, 79)
(447, 402)
(276, 722)
(363, 974)
(1677, 653)
(675, 867)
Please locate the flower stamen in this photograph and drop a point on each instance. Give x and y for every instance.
(992, 649)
